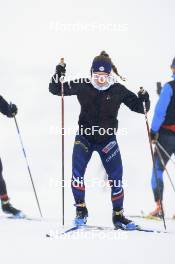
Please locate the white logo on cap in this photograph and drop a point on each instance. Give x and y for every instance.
(101, 68)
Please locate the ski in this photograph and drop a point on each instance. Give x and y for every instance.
(145, 216)
(25, 217)
(127, 230)
(74, 228)
(102, 228)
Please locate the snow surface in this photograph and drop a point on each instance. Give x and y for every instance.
(31, 44)
(25, 242)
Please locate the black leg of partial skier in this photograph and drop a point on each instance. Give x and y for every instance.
(165, 152)
(164, 166)
(3, 188)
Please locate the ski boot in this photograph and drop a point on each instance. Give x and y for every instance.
(7, 208)
(121, 222)
(81, 214)
(157, 213)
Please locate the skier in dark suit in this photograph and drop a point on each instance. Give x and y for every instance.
(100, 98)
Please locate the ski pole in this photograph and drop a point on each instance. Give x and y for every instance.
(62, 137)
(28, 167)
(163, 163)
(153, 160)
(165, 152)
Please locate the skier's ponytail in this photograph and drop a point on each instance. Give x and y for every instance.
(105, 56)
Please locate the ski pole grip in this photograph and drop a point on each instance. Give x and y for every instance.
(142, 90)
(159, 87)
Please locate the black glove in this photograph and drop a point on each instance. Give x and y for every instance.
(61, 69)
(143, 95)
(12, 110)
(53, 87)
(154, 136)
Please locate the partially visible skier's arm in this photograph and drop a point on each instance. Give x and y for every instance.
(134, 102)
(9, 110)
(4, 106)
(161, 107)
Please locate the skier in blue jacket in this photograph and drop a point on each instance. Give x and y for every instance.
(100, 99)
(163, 130)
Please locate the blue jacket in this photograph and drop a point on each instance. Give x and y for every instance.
(161, 106)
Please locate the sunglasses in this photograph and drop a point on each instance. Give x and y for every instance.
(101, 76)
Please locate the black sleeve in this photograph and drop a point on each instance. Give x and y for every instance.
(132, 101)
(70, 88)
(4, 106)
